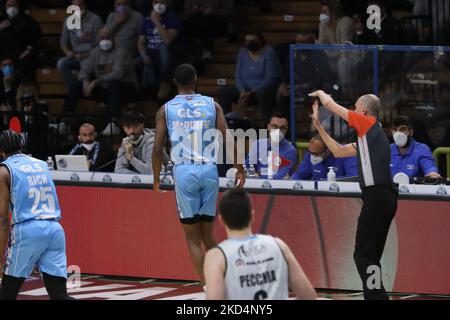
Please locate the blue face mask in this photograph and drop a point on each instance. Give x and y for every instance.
(7, 70)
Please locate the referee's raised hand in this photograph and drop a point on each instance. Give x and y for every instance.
(315, 114)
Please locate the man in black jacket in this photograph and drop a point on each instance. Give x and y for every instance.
(99, 155)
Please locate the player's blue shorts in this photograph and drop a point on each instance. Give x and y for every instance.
(196, 189)
(39, 243)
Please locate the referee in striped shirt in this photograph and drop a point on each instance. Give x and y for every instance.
(378, 191)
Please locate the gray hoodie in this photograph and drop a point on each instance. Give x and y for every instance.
(142, 161)
(90, 26)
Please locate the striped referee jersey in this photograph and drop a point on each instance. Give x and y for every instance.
(374, 152)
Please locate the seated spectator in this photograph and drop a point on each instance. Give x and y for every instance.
(158, 38)
(206, 19)
(284, 161)
(315, 73)
(408, 155)
(135, 153)
(99, 154)
(334, 28)
(9, 83)
(34, 122)
(19, 38)
(78, 44)
(107, 75)
(257, 75)
(125, 24)
(318, 160)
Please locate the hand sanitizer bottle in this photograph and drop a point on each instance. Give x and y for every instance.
(331, 176)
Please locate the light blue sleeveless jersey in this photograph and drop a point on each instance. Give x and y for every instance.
(191, 124)
(33, 193)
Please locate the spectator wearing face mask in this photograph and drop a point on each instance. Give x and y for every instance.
(108, 75)
(34, 121)
(135, 153)
(9, 83)
(318, 160)
(408, 155)
(19, 38)
(284, 154)
(100, 156)
(125, 24)
(334, 27)
(257, 74)
(159, 37)
(78, 44)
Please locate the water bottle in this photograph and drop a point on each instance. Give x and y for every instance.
(331, 176)
(50, 163)
(252, 171)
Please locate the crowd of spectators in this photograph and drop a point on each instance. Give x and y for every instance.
(127, 48)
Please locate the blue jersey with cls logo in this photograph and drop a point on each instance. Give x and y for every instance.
(191, 124)
(33, 193)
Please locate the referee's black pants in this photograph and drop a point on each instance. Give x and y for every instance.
(377, 213)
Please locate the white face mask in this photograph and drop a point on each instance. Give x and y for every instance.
(106, 45)
(276, 136)
(89, 146)
(324, 18)
(159, 8)
(316, 159)
(400, 139)
(12, 12)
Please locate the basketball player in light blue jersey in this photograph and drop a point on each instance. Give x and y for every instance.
(36, 237)
(191, 122)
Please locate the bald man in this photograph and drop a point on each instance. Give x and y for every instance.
(378, 191)
(99, 155)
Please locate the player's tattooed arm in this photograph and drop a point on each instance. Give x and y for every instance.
(223, 128)
(158, 147)
(4, 209)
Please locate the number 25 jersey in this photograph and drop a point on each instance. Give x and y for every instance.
(33, 193)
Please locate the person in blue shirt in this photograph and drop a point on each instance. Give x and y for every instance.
(318, 160)
(409, 156)
(160, 35)
(284, 158)
(257, 75)
(36, 237)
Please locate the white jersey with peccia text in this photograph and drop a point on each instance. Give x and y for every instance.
(256, 269)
